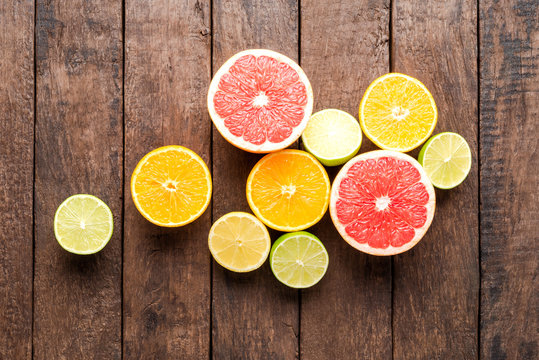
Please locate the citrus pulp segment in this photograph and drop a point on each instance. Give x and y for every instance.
(382, 202)
(83, 224)
(332, 136)
(260, 100)
(299, 259)
(288, 190)
(397, 112)
(171, 186)
(447, 159)
(239, 242)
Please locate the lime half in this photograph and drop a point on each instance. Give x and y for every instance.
(447, 159)
(299, 259)
(332, 136)
(83, 224)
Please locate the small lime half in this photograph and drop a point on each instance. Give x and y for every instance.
(299, 259)
(332, 136)
(447, 159)
(83, 224)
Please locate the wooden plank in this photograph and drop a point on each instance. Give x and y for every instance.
(344, 46)
(509, 85)
(435, 295)
(16, 177)
(166, 271)
(254, 316)
(77, 299)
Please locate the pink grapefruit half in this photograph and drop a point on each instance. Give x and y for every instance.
(382, 202)
(260, 100)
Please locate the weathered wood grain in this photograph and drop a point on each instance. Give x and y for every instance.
(16, 177)
(166, 271)
(509, 88)
(77, 299)
(344, 46)
(254, 316)
(435, 294)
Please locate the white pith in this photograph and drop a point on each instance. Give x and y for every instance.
(238, 141)
(419, 232)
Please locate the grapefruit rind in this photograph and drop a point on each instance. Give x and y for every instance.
(157, 151)
(263, 257)
(238, 141)
(257, 211)
(372, 137)
(419, 232)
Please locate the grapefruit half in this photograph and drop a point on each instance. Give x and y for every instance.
(260, 100)
(382, 202)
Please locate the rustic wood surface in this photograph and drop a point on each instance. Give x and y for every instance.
(166, 287)
(348, 314)
(77, 300)
(88, 87)
(436, 284)
(16, 177)
(253, 316)
(509, 124)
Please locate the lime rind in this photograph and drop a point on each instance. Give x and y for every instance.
(100, 203)
(462, 147)
(339, 140)
(280, 246)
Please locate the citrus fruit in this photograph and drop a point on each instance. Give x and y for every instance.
(83, 224)
(171, 186)
(382, 202)
(260, 100)
(397, 112)
(332, 136)
(239, 242)
(299, 259)
(447, 159)
(288, 190)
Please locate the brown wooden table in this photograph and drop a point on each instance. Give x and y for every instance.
(89, 86)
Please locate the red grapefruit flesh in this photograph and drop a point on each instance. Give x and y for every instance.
(260, 101)
(382, 202)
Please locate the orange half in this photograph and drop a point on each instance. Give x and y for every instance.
(171, 186)
(397, 112)
(288, 190)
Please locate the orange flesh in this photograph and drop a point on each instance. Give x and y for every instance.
(171, 187)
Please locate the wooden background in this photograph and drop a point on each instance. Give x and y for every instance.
(88, 87)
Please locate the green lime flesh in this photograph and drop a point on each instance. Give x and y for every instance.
(446, 158)
(299, 259)
(83, 224)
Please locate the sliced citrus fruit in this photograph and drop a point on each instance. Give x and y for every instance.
(171, 186)
(83, 224)
(299, 259)
(332, 136)
(239, 242)
(260, 100)
(447, 159)
(288, 190)
(382, 202)
(397, 112)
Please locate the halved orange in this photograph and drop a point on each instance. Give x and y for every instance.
(397, 112)
(171, 186)
(288, 190)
